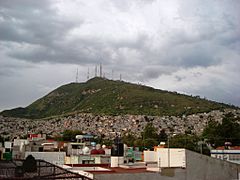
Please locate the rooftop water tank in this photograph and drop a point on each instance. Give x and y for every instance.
(98, 146)
(101, 151)
(85, 150)
(94, 151)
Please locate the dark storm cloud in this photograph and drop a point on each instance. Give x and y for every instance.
(36, 27)
(42, 34)
(27, 21)
(144, 40)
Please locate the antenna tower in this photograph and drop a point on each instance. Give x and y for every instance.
(101, 70)
(77, 76)
(96, 71)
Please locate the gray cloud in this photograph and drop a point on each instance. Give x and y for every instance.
(143, 40)
(45, 39)
(36, 27)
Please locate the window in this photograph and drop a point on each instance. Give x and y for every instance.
(234, 157)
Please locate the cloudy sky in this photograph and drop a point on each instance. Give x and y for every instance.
(189, 46)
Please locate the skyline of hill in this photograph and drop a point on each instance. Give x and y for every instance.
(103, 96)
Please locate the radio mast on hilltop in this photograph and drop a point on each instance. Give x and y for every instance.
(101, 70)
(88, 74)
(77, 76)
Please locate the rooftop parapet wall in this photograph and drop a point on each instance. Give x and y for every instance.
(201, 167)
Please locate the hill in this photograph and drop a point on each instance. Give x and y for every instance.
(103, 96)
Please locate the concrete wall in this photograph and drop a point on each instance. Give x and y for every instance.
(179, 175)
(150, 156)
(201, 167)
(52, 157)
(198, 167)
(229, 155)
(171, 157)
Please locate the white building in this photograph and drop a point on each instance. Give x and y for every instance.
(57, 158)
(166, 158)
(227, 155)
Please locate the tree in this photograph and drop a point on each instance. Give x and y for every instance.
(1, 139)
(162, 137)
(107, 142)
(212, 134)
(184, 141)
(70, 135)
(149, 132)
(228, 130)
(150, 136)
(129, 139)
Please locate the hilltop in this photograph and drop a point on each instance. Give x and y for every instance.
(109, 97)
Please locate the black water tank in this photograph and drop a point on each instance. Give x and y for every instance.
(117, 148)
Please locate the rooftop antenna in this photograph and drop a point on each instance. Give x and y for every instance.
(101, 70)
(77, 76)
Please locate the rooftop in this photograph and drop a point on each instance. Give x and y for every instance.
(106, 169)
(44, 170)
(228, 148)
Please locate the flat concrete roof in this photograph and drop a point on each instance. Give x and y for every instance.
(119, 170)
(127, 168)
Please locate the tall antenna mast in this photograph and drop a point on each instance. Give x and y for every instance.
(100, 69)
(77, 76)
(120, 77)
(88, 74)
(112, 74)
(96, 71)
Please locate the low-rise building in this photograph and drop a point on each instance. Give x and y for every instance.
(189, 166)
(231, 154)
(57, 158)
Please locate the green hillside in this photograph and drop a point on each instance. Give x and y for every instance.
(102, 96)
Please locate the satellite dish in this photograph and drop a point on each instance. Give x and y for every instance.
(79, 136)
(85, 150)
(98, 146)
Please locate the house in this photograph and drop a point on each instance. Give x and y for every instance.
(231, 153)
